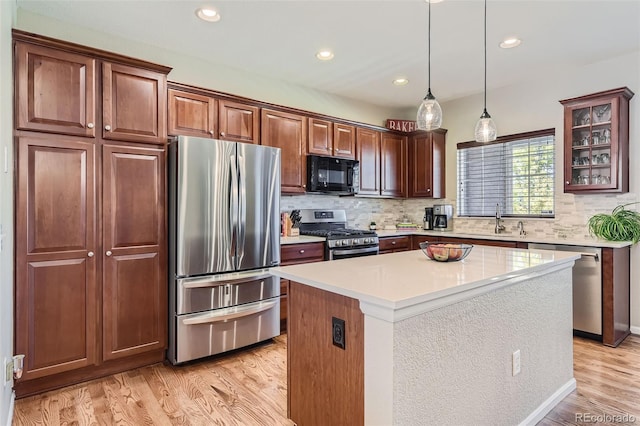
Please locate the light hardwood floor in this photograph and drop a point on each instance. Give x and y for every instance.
(249, 388)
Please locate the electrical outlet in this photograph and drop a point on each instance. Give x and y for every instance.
(515, 364)
(337, 332)
(8, 371)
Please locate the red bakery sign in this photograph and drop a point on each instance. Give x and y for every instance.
(407, 126)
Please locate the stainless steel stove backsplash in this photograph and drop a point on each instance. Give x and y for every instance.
(572, 213)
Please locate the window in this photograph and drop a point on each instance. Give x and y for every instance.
(516, 172)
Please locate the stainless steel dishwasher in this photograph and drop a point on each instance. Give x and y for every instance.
(587, 288)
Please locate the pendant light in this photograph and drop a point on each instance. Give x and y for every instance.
(429, 112)
(485, 127)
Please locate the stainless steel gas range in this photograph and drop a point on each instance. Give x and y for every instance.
(341, 242)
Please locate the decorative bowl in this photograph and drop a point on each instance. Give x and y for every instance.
(445, 252)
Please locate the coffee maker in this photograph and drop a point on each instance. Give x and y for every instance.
(443, 217)
(427, 221)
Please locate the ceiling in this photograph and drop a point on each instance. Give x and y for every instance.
(374, 41)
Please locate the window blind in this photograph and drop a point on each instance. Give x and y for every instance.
(516, 172)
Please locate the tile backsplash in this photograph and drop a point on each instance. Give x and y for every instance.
(572, 213)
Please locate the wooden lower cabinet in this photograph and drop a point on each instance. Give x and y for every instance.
(292, 254)
(325, 383)
(88, 305)
(616, 315)
(135, 284)
(417, 239)
(394, 244)
(56, 307)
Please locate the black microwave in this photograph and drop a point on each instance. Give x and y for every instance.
(332, 175)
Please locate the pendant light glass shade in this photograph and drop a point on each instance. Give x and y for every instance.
(486, 130)
(429, 115)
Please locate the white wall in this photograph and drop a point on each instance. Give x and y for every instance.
(7, 14)
(534, 106)
(207, 74)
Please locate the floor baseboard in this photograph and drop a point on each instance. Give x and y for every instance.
(635, 330)
(544, 408)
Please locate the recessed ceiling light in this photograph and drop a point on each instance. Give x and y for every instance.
(433, 1)
(400, 81)
(208, 14)
(510, 42)
(324, 55)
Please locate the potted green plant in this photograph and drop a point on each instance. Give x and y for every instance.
(620, 225)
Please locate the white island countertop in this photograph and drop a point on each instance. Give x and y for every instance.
(397, 286)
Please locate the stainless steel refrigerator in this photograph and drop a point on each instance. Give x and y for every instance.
(224, 234)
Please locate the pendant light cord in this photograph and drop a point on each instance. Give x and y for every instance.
(485, 55)
(429, 49)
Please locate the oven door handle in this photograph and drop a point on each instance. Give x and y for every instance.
(339, 252)
(238, 312)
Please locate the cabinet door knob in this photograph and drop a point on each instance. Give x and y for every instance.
(90, 254)
(222, 134)
(89, 125)
(428, 189)
(393, 243)
(301, 251)
(211, 132)
(108, 253)
(567, 182)
(107, 128)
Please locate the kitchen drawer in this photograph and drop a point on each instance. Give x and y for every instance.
(395, 243)
(291, 254)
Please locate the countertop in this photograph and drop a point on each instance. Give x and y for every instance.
(400, 281)
(586, 242)
(591, 242)
(301, 240)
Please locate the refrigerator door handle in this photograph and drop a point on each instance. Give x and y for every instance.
(242, 207)
(233, 218)
(237, 313)
(214, 282)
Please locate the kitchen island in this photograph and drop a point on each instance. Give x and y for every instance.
(399, 339)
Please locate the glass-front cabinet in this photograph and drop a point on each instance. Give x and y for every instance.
(596, 142)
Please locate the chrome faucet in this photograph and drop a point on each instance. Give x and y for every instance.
(521, 228)
(499, 226)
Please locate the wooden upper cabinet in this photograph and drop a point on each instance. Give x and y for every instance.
(134, 104)
(344, 141)
(191, 114)
(238, 122)
(320, 137)
(393, 172)
(134, 267)
(369, 158)
(427, 164)
(55, 90)
(596, 142)
(289, 133)
(55, 309)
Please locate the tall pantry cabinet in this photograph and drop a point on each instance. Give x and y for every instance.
(90, 137)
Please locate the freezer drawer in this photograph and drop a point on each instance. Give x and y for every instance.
(213, 332)
(221, 291)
